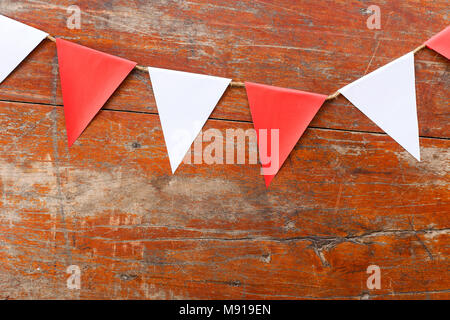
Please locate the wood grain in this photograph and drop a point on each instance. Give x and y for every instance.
(347, 197)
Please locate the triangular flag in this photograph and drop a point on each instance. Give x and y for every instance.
(441, 42)
(388, 97)
(280, 117)
(184, 101)
(88, 79)
(17, 40)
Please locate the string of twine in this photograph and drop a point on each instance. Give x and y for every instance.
(237, 84)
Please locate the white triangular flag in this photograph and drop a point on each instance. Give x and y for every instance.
(184, 101)
(388, 97)
(17, 40)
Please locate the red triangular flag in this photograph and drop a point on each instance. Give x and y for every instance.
(441, 42)
(88, 79)
(289, 111)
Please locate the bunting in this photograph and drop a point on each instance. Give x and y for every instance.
(441, 42)
(387, 96)
(88, 79)
(17, 40)
(184, 101)
(282, 116)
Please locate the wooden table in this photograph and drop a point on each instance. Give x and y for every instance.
(347, 197)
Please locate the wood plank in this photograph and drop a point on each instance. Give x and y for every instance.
(343, 201)
(306, 45)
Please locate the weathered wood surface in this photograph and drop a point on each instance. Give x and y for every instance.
(347, 197)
